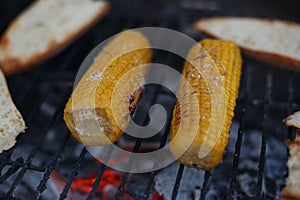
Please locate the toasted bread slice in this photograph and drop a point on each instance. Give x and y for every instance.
(293, 120)
(272, 41)
(292, 189)
(44, 28)
(11, 122)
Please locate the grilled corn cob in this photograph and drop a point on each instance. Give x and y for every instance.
(212, 133)
(89, 113)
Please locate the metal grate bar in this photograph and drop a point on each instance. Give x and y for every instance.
(51, 166)
(149, 185)
(91, 195)
(152, 174)
(166, 129)
(97, 182)
(281, 105)
(100, 174)
(244, 102)
(264, 134)
(80, 161)
(5, 159)
(205, 184)
(15, 167)
(207, 175)
(73, 174)
(136, 148)
(177, 182)
(126, 174)
(27, 164)
(22, 172)
(30, 167)
(236, 157)
(38, 74)
(35, 149)
(182, 22)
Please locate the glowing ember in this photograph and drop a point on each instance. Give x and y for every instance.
(107, 188)
(109, 177)
(156, 196)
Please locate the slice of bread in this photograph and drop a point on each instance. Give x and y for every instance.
(11, 122)
(292, 189)
(293, 120)
(44, 28)
(273, 41)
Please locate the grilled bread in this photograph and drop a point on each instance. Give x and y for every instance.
(11, 122)
(43, 29)
(292, 189)
(272, 41)
(89, 112)
(293, 120)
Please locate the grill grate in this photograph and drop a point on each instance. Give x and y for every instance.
(41, 94)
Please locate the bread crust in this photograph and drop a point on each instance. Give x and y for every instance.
(16, 122)
(293, 120)
(12, 65)
(272, 58)
(289, 193)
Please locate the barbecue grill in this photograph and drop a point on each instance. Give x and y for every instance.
(48, 163)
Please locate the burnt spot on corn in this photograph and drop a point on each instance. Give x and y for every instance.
(227, 58)
(134, 99)
(131, 99)
(95, 91)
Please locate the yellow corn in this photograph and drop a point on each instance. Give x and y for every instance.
(227, 59)
(89, 112)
